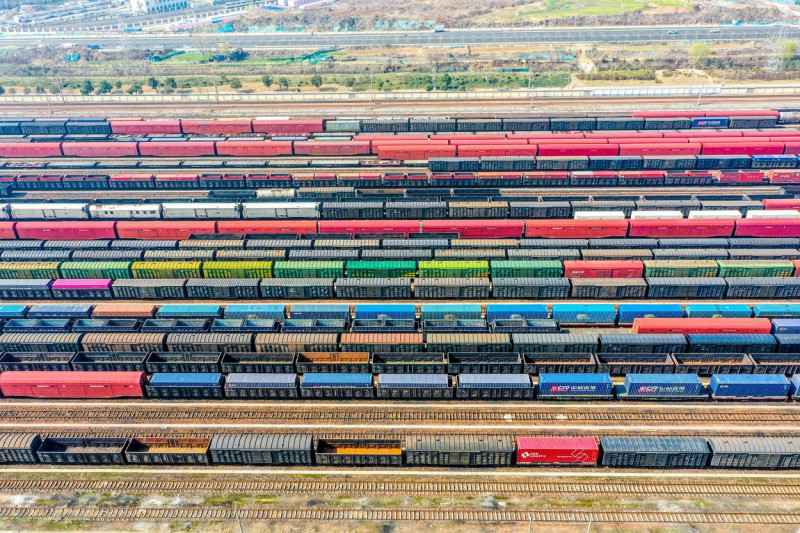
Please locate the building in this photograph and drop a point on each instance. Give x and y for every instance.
(139, 7)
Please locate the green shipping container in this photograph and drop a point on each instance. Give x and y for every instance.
(309, 269)
(527, 269)
(237, 269)
(381, 269)
(95, 269)
(166, 269)
(755, 268)
(454, 269)
(669, 268)
(342, 125)
(29, 270)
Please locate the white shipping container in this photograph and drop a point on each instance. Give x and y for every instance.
(655, 215)
(200, 210)
(276, 193)
(275, 210)
(49, 211)
(126, 211)
(599, 215)
(707, 214)
(774, 213)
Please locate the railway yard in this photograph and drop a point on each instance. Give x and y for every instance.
(497, 322)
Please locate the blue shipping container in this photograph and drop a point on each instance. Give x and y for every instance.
(786, 325)
(794, 386)
(718, 311)
(584, 314)
(13, 311)
(730, 342)
(374, 311)
(503, 311)
(190, 310)
(777, 310)
(501, 381)
(186, 380)
(315, 379)
(710, 122)
(439, 311)
(788, 342)
(664, 385)
(555, 385)
(627, 312)
(59, 311)
(340, 311)
(413, 380)
(767, 386)
(276, 312)
(243, 379)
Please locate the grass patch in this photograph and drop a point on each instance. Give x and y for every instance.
(550, 9)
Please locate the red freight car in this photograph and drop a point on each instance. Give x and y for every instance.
(254, 148)
(670, 114)
(500, 150)
(287, 127)
(414, 152)
(177, 149)
(701, 325)
(768, 227)
(792, 147)
(740, 176)
(557, 451)
(353, 227)
(477, 229)
(7, 230)
(145, 127)
(399, 138)
(575, 229)
(282, 227)
(52, 230)
(744, 113)
(575, 149)
(100, 149)
(681, 228)
(660, 148)
(130, 181)
(72, 384)
(603, 269)
(223, 126)
(742, 148)
(30, 149)
(331, 148)
(781, 203)
(166, 229)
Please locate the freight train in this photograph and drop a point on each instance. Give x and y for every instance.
(423, 450)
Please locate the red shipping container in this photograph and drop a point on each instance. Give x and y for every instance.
(701, 325)
(740, 176)
(759, 227)
(742, 148)
(467, 135)
(557, 450)
(622, 134)
(647, 140)
(176, 149)
(7, 230)
(773, 133)
(53, 230)
(671, 114)
(331, 148)
(30, 149)
(705, 134)
(497, 151)
(744, 113)
(352, 227)
(167, 229)
(100, 149)
(568, 142)
(254, 148)
(287, 227)
(575, 229)
(145, 127)
(681, 228)
(603, 269)
(595, 149)
(221, 126)
(477, 229)
(659, 148)
(792, 148)
(287, 127)
(72, 384)
(781, 203)
(547, 135)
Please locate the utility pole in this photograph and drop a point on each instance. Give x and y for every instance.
(775, 54)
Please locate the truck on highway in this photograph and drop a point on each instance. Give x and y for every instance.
(438, 28)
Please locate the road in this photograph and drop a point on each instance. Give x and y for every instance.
(139, 41)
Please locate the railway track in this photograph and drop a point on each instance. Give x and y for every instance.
(193, 485)
(416, 514)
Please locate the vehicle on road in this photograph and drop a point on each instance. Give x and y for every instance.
(672, 32)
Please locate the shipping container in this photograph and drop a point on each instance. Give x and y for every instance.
(749, 387)
(662, 387)
(556, 386)
(557, 451)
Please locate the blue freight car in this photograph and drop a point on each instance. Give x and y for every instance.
(507, 311)
(628, 312)
(276, 312)
(749, 387)
(194, 385)
(558, 386)
(786, 325)
(377, 311)
(718, 311)
(189, 311)
(585, 314)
